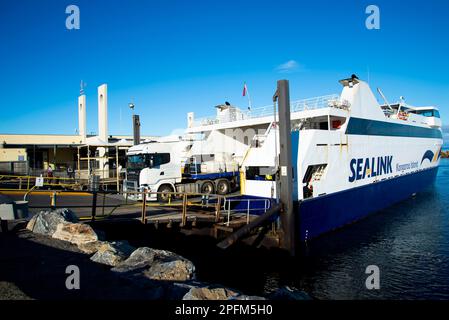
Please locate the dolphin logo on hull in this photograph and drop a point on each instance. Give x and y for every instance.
(428, 155)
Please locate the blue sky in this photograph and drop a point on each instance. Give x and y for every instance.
(172, 57)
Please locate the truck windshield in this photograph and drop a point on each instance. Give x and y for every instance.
(149, 160)
(136, 161)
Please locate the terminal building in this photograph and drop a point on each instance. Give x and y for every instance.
(102, 154)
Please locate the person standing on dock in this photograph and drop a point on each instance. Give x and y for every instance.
(50, 174)
(49, 171)
(70, 172)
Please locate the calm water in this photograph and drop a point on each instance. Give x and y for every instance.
(409, 242)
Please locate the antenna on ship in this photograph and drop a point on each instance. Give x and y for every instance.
(385, 99)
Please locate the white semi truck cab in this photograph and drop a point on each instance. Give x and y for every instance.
(172, 166)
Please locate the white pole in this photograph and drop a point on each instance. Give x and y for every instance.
(249, 98)
(246, 91)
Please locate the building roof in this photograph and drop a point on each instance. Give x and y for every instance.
(59, 139)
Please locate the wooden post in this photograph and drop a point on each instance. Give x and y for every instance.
(144, 208)
(285, 165)
(88, 161)
(104, 200)
(94, 205)
(78, 164)
(184, 210)
(117, 168)
(217, 209)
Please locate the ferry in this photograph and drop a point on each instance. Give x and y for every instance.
(352, 155)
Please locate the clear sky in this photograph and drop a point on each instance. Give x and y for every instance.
(171, 57)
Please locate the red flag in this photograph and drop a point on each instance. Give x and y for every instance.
(244, 90)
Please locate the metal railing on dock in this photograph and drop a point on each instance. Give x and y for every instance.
(27, 182)
(187, 206)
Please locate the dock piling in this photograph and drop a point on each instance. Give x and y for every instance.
(285, 184)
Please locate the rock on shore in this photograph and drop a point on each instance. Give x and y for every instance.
(46, 222)
(140, 259)
(170, 267)
(209, 293)
(112, 253)
(157, 265)
(75, 233)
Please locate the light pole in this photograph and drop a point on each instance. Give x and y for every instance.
(136, 125)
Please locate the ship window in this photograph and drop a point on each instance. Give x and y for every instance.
(260, 173)
(323, 126)
(199, 158)
(314, 173)
(429, 113)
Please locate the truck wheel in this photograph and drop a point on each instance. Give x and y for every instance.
(207, 187)
(222, 187)
(164, 194)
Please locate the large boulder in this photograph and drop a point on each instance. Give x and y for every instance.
(75, 233)
(177, 290)
(156, 264)
(169, 266)
(91, 247)
(210, 293)
(112, 253)
(287, 293)
(141, 258)
(46, 222)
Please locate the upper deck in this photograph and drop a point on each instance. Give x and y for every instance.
(329, 111)
(233, 117)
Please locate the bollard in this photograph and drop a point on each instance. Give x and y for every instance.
(53, 200)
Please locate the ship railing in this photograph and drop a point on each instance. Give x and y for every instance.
(331, 100)
(244, 210)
